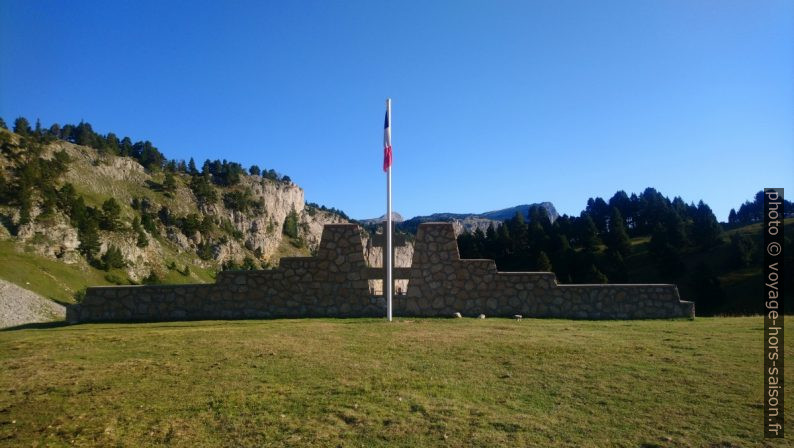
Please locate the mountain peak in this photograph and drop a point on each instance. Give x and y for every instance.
(396, 217)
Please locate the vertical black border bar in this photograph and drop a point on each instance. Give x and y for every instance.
(773, 313)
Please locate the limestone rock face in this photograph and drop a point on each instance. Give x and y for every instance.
(311, 225)
(53, 237)
(255, 231)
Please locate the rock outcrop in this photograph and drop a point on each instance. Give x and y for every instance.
(253, 230)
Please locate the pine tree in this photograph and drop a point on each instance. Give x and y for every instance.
(618, 238)
(733, 219)
(21, 126)
(706, 231)
(111, 211)
(191, 167)
(112, 258)
(614, 267)
(169, 184)
(591, 274)
(588, 232)
(89, 238)
(742, 250)
(290, 227)
(542, 262)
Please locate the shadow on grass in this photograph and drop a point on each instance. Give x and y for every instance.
(37, 326)
(112, 325)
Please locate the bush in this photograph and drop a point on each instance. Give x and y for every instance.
(169, 184)
(143, 240)
(237, 200)
(116, 279)
(79, 295)
(204, 251)
(190, 224)
(152, 279)
(148, 222)
(227, 227)
(290, 227)
(249, 264)
(203, 190)
(112, 259)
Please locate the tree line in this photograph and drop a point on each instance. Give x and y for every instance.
(594, 246)
(221, 173)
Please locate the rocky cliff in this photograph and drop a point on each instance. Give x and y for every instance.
(246, 220)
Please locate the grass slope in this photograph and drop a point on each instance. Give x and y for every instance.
(59, 281)
(363, 382)
(737, 283)
(47, 277)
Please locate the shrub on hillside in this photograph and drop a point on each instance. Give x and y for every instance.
(112, 259)
(111, 212)
(290, 227)
(205, 193)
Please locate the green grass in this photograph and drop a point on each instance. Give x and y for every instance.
(289, 247)
(59, 281)
(364, 382)
(49, 278)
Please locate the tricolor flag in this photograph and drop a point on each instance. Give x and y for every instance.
(387, 141)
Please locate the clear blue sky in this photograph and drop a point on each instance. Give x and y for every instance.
(494, 103)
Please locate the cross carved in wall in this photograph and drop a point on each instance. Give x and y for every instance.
(379, 240)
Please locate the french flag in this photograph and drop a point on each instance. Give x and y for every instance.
(387, 140)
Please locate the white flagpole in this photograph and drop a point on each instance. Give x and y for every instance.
(389, 283)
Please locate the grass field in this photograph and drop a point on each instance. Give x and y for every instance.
(364, 382)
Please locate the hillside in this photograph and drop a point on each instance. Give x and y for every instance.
(73, 215)
(733, 290)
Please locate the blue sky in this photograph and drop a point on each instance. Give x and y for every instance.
(494, 103)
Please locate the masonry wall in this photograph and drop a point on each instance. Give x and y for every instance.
(441, 284)
(331, 284)
(334, 284)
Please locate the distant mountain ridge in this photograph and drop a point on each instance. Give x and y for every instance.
(507, 213)
(468, 222)
(396, 217)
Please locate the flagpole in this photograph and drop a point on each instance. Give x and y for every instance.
(389, 286)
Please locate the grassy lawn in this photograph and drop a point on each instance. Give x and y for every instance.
(363, 382)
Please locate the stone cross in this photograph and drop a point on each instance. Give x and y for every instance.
(379, 240)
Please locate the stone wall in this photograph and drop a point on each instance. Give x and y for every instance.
(331, 284)
(441, 284)
(334, 284)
